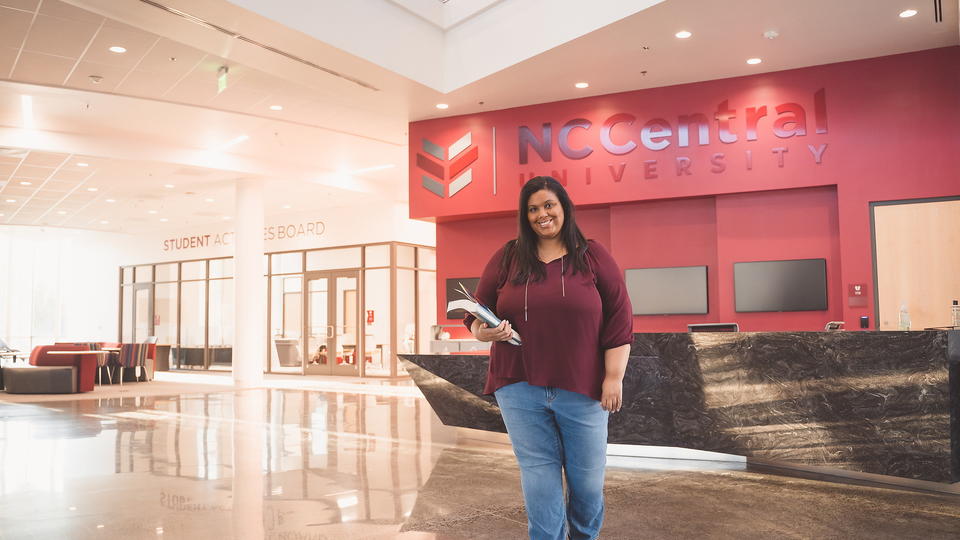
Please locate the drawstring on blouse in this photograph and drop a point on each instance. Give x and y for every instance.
(563, 289)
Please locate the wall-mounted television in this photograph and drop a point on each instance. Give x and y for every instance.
(453, 285)
(792, 285)
(678, 290)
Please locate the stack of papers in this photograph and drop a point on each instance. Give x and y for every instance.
(477, 309)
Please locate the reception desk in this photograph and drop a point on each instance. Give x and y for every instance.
(876, 402)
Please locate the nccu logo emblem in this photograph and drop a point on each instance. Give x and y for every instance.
(461, 155)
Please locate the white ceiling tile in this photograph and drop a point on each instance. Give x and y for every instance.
(238, 99)
(42, 68)
(137, 43)
(6, 169)
(48, 197)
(18, 191)
(34, 172)
(71, 175)
(59, 185)
(55, 8)
(59, 37)
(28, 5)
(158, 59)
(141, 83)
(44, 159)
(13, 27)
(109, 77)
(199, 87)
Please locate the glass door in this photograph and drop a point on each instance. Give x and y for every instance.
(142, 311)
(330, 316)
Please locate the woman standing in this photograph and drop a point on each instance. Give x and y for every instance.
(566, 298)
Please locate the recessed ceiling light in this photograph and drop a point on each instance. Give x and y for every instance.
(1, 215)
(151, 211)
(907, 13)
(753, 61)
(163, 219)
(11, 200)
(276, 107)
(208, 200)
(225, 218)
(62, 212)
(104, 222)
(442, 106)
(169, 186)
(286, 206)
(83, 164)
(25, 183)
(91, 189)
(582, 85)
(118, 49)
(111, 200)
(683, 34)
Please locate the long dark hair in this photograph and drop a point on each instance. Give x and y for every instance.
(521, 254)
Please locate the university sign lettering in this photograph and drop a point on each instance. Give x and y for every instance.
(605, 150)
(619, 134)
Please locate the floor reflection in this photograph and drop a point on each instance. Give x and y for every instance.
(264, 463)
(361, 460)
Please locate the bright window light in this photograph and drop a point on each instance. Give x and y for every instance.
(232, 142)
(370, 169)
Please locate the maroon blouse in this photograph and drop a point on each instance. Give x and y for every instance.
(569, 323)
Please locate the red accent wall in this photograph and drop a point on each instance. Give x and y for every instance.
(891, 127)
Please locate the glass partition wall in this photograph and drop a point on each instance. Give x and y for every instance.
(333, 311)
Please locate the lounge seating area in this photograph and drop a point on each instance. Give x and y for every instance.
(77, 367)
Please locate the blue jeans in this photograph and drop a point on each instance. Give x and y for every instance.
(556, 432)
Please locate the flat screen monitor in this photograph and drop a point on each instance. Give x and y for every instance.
(678, 290)
(453, 285)
(794, 285)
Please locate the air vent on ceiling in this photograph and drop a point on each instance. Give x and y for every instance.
(207, 24)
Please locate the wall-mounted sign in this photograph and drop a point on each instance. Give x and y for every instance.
(857, 295)
(648, 144)
(221, 239)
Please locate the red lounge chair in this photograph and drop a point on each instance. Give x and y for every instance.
(86, 364)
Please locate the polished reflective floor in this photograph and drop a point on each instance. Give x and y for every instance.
(342, 459)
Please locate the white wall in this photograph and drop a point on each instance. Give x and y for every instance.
(58, 285)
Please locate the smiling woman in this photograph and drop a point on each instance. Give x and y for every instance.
(561, 383)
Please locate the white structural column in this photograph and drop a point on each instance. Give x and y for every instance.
(250, 291)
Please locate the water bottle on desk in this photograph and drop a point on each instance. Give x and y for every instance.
(955, 314)
(904, 320)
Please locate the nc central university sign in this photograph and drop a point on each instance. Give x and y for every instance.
(596, 151)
